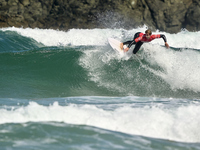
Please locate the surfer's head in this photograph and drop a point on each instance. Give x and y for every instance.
(148, 33)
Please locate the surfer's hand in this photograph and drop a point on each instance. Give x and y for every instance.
(121, 45)
(166, 45)
(126, 49)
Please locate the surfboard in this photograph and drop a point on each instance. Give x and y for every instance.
(115, 44)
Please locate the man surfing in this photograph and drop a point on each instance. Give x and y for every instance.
(140, 38)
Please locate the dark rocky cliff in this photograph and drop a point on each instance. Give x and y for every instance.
(165, 15)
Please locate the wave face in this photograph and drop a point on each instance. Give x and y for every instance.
(48, 63)
(73, 91)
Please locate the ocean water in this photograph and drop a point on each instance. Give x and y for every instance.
(71, 90)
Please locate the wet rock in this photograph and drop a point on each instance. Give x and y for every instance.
(165, 15)
(192, 21)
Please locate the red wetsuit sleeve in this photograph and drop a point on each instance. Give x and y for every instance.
(159, 36)
(138, 39)
(155, 36)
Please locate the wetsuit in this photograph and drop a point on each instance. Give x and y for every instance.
(140, 38)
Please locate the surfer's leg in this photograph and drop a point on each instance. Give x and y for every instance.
(137, 47)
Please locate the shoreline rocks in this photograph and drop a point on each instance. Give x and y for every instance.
(166, 15)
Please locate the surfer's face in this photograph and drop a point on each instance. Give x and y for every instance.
(148, 35)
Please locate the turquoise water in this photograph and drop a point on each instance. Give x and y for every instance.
(70, 90)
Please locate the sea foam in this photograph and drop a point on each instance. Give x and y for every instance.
(179, 124)
(77, 37)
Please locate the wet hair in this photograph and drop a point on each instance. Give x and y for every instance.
(148, 31)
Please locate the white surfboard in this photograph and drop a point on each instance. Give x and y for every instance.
(115, 44)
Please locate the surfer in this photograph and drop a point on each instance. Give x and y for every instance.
(140, 38)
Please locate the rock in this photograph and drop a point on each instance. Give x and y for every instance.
(13, 2)
(166, 15)
(24, 2)
(170, 16)
(192, 21)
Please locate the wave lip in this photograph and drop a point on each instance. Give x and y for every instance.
(80, 37)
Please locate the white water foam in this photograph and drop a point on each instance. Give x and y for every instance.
(179, 124)
(181, 68)
(77, 37)
(74, 37)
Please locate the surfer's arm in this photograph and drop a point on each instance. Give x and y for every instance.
(126, 49)
(127, 42)
(165, 40)
(163, 37)
(130, 43)
(121, 46)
